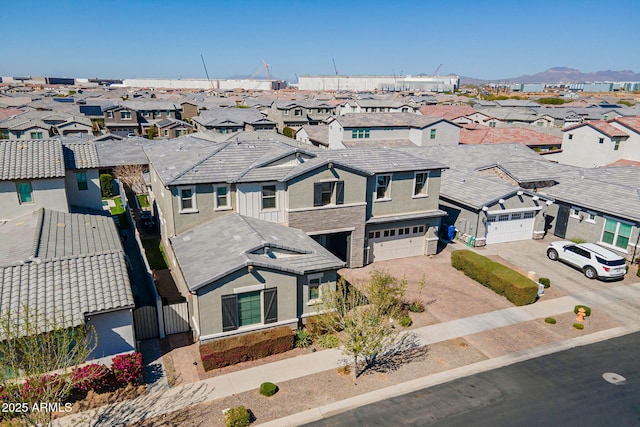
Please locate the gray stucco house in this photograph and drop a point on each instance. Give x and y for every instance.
(243, 274)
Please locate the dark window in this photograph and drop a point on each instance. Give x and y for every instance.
(268, 197)
(81, 178)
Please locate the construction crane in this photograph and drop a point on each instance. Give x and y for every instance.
(206, 72)
(334, 66)
(264, 66)
(435, 73)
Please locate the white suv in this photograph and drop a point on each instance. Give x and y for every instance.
(595, 261)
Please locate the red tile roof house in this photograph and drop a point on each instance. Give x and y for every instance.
(592, 144)
(538, 141)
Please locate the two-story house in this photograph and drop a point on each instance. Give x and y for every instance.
(128, 117)
(359, 205)
(391, 129)
(295, 114)
(229, 120)
(591, 144)
(377, 106)
(121, 120)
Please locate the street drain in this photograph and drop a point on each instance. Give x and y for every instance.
(614, 378)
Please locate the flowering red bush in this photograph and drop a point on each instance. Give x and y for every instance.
(89, 377)
(127, 367)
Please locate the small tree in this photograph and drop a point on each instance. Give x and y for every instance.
(132, 176)
(386, 292)
(37, 353)
(363, 330)
(151, 132)
(106, 184)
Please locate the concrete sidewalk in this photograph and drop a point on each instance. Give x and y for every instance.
(173, 399)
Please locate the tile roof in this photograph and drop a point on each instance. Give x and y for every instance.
(630, 122)
(9, 112)
(319, 134)
(409, 120)
(190, 160)
(624, 162)
(448, 112)
(72, 266)
(33, 159)
(80, 155)
(501, 135)
(601, 126)
(220, 116)
(235, 241)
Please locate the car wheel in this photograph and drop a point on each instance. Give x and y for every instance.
(552, 254)
(590, 272)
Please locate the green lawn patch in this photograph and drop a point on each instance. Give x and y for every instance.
(143, 200)
(155, 254)
(118, 208)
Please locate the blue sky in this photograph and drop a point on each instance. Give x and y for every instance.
(158, 38)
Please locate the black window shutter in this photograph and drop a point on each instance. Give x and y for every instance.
(317, 194)
(229, 313)
(271, 305)
(339, 192)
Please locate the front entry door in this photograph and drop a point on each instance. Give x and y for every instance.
(562, 221)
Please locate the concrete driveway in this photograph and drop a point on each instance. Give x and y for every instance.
(531, 255)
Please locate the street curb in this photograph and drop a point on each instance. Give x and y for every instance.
(334, 408)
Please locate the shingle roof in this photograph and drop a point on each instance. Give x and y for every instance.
(235, 241)
(72, 266)
(33, 159)
(80, 155)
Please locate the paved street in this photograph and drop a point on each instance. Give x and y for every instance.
(565, 388)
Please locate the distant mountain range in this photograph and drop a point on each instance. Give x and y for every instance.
(563, 75)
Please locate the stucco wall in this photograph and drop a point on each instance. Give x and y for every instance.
(401, 195)
(210, 302)
(46, 193)
(89, 198)
(115, 333)
(327, 282)
(204, 199)
(300, 189)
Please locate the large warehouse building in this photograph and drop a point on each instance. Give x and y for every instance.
(383, 83)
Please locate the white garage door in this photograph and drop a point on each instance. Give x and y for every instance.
(510, 227)
(396, 243)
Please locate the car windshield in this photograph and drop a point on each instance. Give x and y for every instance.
(610, 263)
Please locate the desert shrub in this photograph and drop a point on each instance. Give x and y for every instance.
(344, 370)
(327, 341)
(320, 324)
(587, 310)
(302, 339)
(237, 417)
(268, 389)
(578, 326)
(385, 292)
(256, 345)
(517, 288)
(416, 307)
(550, 320)
(290, 132)
(405, 321)
(545, 281)
(90, 377)
(127, 368)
